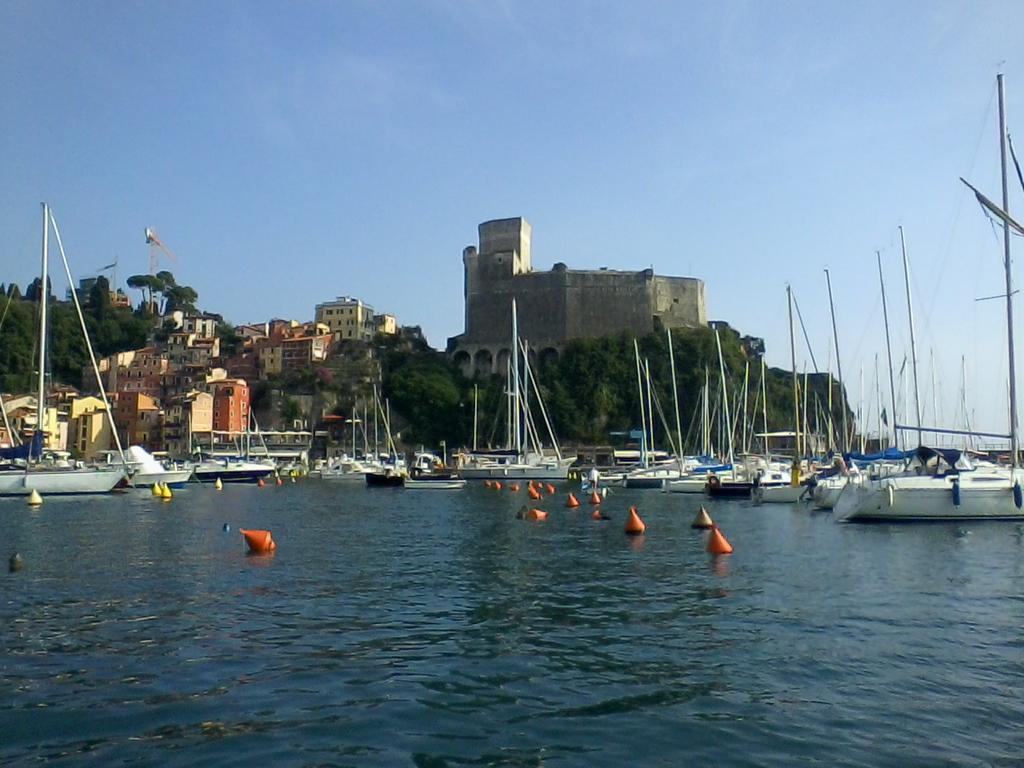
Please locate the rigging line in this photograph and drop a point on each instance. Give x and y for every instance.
(1013, 154)
(803, 328)
(958, 208)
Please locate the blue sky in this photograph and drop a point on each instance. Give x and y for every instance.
(292, 152)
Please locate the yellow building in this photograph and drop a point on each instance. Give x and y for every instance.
(349, 319)
(89, 427)
(386, 324)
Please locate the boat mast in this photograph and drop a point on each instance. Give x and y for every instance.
(515, 380)
(725, 393)
(1009, 276)
(650, 409)
(913, 341)
(706, 415)
(844, 444)
(43, 296)
(764, 406)
(675, 398)
(476, 400)
(744, 442)
(797, 453)
(643, 407)
(888, 352)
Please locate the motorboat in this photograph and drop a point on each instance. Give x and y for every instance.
(145, 470)
(231, 470)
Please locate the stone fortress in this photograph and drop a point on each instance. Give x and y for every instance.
(556, 306)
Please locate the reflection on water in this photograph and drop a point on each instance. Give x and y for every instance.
(393, 627)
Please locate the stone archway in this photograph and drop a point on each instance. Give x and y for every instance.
(548, 356)
(464, 361)
(483, 362)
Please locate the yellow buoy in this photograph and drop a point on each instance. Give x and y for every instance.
(165, 492)
(218, 484)
(34, 499)
(157, 490)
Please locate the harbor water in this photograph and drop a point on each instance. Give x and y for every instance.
(433, 628)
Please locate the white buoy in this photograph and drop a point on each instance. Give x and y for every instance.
(218, 484)
(34, 499)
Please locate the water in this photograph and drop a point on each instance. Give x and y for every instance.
(434, 629)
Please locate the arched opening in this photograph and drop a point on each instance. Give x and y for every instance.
(504, 356)
(463, 361)
(483, 363)
(548, 356)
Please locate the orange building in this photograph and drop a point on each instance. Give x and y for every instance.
(138, 418)
(230, 405)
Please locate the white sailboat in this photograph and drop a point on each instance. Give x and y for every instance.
(525, 458)
(794, 490)
(46, 476)
(942, 484)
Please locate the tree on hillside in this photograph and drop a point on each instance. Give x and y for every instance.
(180, 297)
(146, 284)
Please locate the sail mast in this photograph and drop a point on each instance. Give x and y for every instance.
(1009, 276)
(43, 296)
(476, 400)
(725, 392)
(675, 398)
(913, 341)
(516, 405)
(888, 351)
(796, 389)
(643, 407)
(844, 443)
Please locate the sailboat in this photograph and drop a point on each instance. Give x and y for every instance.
(794, 490)
(30, 469)
(525, 457)
(943, 484)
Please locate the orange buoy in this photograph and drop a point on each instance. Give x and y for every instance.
(533, 493)
(703, 519)
(597, 514)
(487, 483)
(536, 514)
(572, 502)
(514, 487)
(634, 525)
(717, 543)
(258, 541)
(551, 489)
(260, 483)
(497, 485)
(279, 480)
(595, 497)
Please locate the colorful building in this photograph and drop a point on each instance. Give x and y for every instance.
(348, 319)
(89, 428)
(230, 406)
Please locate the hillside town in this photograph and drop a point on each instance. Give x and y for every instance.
(191, 388)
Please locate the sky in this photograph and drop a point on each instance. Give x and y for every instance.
(288, 153)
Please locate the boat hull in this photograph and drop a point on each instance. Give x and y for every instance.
(58, 482)
(514, 472)
(917, 499)
(175, 478)
(232, 475)
(442, 484)
(780, 494)
(376, 480)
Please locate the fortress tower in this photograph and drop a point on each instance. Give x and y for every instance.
(558, 305)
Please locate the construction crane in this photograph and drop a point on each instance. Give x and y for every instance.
(155, 248)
